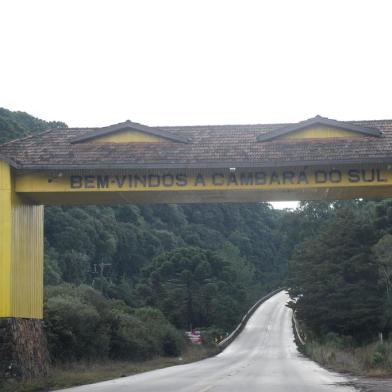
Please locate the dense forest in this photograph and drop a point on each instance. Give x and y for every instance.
(199, 266)
(340, 282)
(341, 276)
(125, 281)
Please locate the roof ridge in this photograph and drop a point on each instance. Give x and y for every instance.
(222, 125)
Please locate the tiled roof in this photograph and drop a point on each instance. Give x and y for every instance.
(208, 146)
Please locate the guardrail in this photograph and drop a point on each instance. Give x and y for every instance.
(297, 330)
(225, 342)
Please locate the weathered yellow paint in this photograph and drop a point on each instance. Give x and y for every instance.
(27, 259)
(319, 132)
(21, 252)
(212, 196)
(207, 180)
(5, 240)
(127, 137)
(219, 185)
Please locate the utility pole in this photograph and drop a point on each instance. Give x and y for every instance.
(101, 267)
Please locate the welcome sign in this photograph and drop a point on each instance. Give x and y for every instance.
(205, 180)
(231, 179)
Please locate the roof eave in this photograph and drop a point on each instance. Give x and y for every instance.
(318, 120)
(210, 165)
(10, 162)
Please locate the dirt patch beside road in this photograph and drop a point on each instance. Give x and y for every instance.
(373, 384)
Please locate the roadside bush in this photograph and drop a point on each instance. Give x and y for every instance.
(82, 324)
(170, 341)
(211, 336)
(75, 329)
(379, 355)
(130, 339)
(144, 334)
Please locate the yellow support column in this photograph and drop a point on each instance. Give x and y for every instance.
(5, 240)
(21, 282)
(21, 252)
(27, 259)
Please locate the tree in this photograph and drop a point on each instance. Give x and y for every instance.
(383, 255)
(75, 266)
(189, 285)
(334, 279)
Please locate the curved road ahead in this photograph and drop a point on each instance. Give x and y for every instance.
(263, 358)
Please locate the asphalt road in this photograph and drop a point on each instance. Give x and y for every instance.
(263, 358)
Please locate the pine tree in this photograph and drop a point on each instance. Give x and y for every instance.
(335, 279)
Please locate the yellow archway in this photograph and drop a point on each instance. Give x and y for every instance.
(132, 163)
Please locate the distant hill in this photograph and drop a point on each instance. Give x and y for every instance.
(14, 125)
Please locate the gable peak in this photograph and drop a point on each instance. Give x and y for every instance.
(128, 125)
(319, 121)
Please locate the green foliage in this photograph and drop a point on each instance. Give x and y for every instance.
(194, 287)
(128, 238)
(52, 271)
(383, 256)
(335, 278)
(244, 270)
(379, 355)
(212, 335)
(74, 266)
(166, 336)
(14, 125)
(82, 324)
(75, 327)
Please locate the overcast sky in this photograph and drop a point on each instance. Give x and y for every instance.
(168, 62)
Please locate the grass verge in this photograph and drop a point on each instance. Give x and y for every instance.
(372, 360)
(80, 373)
